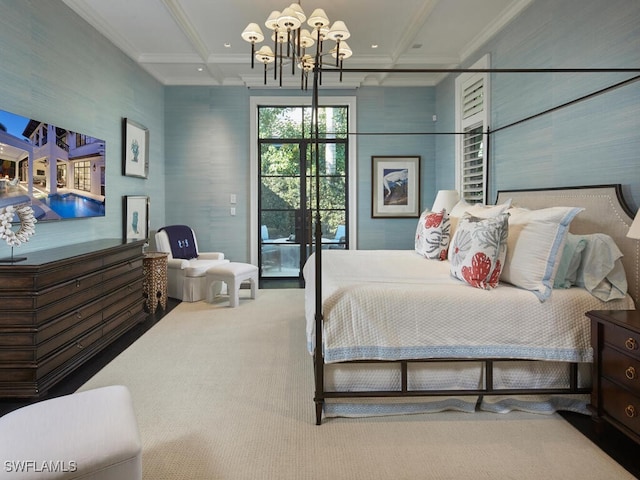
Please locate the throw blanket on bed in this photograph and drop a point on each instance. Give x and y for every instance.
(392, 305)
(182, 242)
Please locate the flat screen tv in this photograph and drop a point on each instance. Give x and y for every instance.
(59, 172)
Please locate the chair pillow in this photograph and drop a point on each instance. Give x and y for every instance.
(478, 250)
(181, 241)
(432, 235)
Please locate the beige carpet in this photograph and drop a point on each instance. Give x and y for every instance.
(224, 393)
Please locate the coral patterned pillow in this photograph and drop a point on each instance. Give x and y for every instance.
(478, 250)
(432, 235)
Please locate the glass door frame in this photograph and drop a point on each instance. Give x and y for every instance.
(300, 235)
(254, 103)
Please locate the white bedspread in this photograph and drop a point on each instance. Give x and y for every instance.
(395, 304)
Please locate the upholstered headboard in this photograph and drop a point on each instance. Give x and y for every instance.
(605, 212)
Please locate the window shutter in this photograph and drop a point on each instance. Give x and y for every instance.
(473, 98)
(472, 105)
(473, 165)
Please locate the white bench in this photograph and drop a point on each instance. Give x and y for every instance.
(90, 435)
(233, 274)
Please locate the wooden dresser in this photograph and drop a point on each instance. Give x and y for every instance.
(615, 397)
(60, 307)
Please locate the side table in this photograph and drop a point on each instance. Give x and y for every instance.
(615, 397)
(154, 267)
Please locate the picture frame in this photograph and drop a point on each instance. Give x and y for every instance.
(136, 218)
(135, 149)
(395, 186)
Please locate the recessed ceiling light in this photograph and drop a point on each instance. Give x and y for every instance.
(201, 69)
(227, 45)
(374, 45)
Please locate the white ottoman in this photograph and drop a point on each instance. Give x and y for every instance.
(91, 434)
(233, 274)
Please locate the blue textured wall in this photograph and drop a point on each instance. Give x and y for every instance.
(590, 143)
(207, 159)
(207, 151)
(58, 69)
(393, 110)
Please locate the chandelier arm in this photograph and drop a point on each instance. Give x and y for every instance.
(275, 49)
(281, 60)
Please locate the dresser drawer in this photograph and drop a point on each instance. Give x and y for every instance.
(65, 354)
(78, 328)
(621, 405)
(70, 288)
(124, 319)
(132, 252)
(118, 299)
(622, 339)
(123, 275)
(69, 271)
(624, 369)
(25, 354)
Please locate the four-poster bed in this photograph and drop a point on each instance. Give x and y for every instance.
(391, 332)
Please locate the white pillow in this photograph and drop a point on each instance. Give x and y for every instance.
(477, 210)
(534, 247)
(478, 250)
(488, 211)
(601, 271)
(459, 208)
(432, 235)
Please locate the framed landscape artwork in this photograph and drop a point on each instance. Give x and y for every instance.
(395, 187)
(59, 172)
(135, 149)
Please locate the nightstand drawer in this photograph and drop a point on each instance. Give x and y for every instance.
(622, 368)
(622, 339)
(621, 405)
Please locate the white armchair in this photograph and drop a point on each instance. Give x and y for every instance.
(187, 267)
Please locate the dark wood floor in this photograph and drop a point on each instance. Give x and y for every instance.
(617, 445)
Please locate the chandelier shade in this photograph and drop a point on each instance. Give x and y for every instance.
(253, 34)
(318, 19)
(287, 27)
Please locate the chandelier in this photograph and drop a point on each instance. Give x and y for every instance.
(291, 41)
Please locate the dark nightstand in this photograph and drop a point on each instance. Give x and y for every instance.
(615, 397)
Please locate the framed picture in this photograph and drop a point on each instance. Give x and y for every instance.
(136, 218)
(135, 149)
(395, 187)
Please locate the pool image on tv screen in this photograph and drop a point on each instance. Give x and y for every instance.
(59, 172)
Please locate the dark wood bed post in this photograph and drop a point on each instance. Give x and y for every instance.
(318, 357)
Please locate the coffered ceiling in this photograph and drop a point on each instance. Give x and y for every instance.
(198, 42)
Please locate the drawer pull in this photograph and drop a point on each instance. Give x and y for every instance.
(630, 410)
(631, 344)
(630, 373)
(80, 346)
(77, 283)
(79, 315)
